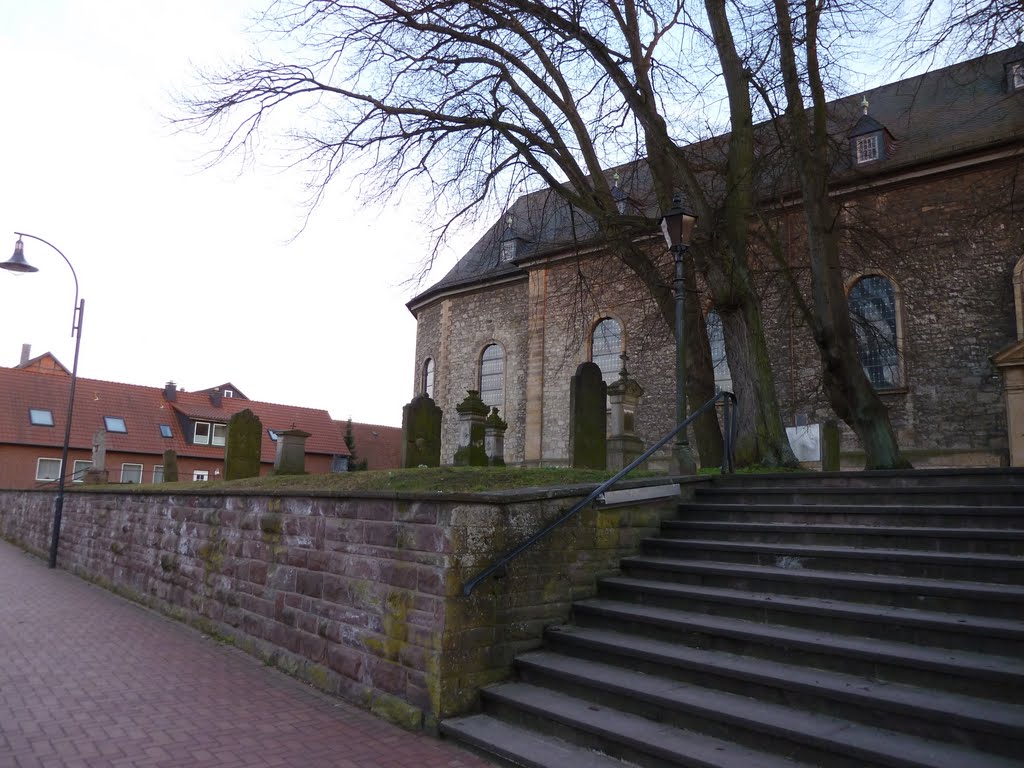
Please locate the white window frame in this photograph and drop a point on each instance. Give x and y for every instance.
(508, 250)
(200, 475)
(1015, 75)
(867, 147)
(125, 467)
(218, 434)
(43, 423)
(78, 470)
(229, 393)
(158, 473)
(47, 479)
(196, 436)
(428, 377)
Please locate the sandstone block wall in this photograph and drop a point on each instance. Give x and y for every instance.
(361, 597)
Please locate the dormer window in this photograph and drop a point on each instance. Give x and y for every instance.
(867, 148)
(508, 250)
(1015, 76)
(229, 393)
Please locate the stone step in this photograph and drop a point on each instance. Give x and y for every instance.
(995, 726)
(996, 541)
(1000, 569)
(958, 671)
(987, 477)
(979, 598)
(620, 734)
(523, 747)
(909, 625)
(809, 493)
(975, 516)
(806, 736)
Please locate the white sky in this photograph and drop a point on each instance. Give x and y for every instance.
(187, 274)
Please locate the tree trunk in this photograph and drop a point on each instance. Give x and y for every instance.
(700, 375)
(849, 391)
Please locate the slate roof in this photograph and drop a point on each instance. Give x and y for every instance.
(960, 109)
(143, 409)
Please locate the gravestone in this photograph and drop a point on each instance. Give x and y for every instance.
(421, 433)
(588, 418)
(170, 466)
(494, 439)
(472, 413)
(623, 397)
(97, 472)
(830, 439)
(291, 452)
(244, 443)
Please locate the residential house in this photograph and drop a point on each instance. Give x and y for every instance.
(140, 424)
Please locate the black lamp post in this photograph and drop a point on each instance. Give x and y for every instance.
(18, 265)
(677, 227)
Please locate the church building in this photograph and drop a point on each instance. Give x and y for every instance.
(930, 184)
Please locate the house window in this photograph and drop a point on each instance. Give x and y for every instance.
(158, 473)
(220, 434)
(606, 349)
(339, 464)
(114, 424)
(492, 377)
(428, 377)
(200, 475)
(716, 338)
(48, 470)
(867, 148)
(78, 470)
(229, 393)
(873, 313)
(273, 434)
(131, 473)
(508, 250)
(40, 417)
(1015, 75)
(202, 433)
(165, 430)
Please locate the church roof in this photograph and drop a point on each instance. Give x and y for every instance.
(960, 109)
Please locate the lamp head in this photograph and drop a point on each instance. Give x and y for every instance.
(17, 263)
(677, 224)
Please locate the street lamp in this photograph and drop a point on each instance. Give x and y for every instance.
(18, 265)
(677, 227)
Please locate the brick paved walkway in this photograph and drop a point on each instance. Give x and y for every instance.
(88, 680)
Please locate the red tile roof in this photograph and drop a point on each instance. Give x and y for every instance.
(143, 409)
(381, 447)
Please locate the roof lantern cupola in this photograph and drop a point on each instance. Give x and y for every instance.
(509, 241)
(870, 141)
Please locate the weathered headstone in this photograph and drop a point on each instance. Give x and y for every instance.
(623, 397)
(291, 452)
(494, 439)
(97, 472)
(170, 466)
(244, 443)
(421, 433)
(472, 413)
(830, 439)
(588, 418)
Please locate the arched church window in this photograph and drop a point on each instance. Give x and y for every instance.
(716, 337)
(606, 348)
(428, 377)
(875, 318)
(492, 376)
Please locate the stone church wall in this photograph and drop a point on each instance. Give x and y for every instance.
(454, 333)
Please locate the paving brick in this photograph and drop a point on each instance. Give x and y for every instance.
(88, 680)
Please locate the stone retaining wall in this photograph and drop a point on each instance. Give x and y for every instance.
(359, 596)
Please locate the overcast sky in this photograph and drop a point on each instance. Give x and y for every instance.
(188, 274)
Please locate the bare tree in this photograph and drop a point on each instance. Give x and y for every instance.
(481, 100)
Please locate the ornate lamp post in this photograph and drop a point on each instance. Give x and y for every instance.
(677, 227)
(18, 265)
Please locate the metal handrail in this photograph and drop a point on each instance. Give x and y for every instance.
(728, 417)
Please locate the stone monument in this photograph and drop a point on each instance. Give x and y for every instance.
(588, 418)
(244, 443)
(623, 397)
(97, 472)
(291, 452)
(472, 414)
(421, 433)
(494, 438)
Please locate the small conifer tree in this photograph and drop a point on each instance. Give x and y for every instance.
(354, 464)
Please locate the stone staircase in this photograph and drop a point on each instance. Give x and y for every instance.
(839, 620)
